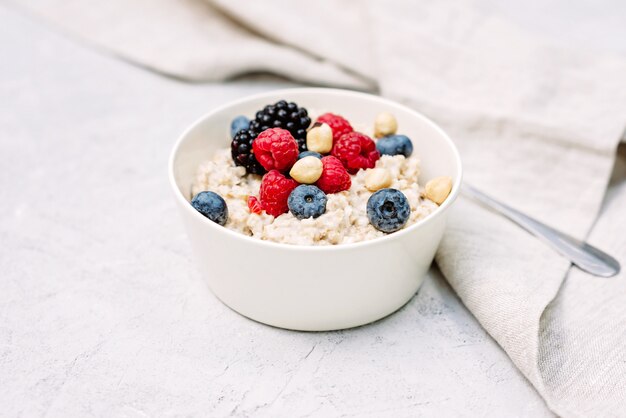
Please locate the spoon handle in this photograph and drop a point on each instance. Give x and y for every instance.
(581, 254)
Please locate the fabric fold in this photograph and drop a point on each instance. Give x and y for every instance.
(186, 39)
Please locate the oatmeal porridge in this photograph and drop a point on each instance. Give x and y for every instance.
(323, 184)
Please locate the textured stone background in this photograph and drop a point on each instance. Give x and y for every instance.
(102, 312)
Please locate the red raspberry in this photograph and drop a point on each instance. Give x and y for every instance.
(274, 192)
(337, 123)
(254, 205)
(356, 151)
(275, 148)
(334, 176)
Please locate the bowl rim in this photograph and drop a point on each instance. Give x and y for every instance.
(245, 239)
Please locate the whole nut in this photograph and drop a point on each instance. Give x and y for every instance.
(320, 139)
(385, 124)
(438, 189)
(306, 170)
(377, 178)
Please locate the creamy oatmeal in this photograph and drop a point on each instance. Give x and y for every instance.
(295, 178)
(345, 220)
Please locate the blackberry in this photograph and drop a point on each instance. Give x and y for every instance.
(279, 115)
(241, 151)
(283, 115)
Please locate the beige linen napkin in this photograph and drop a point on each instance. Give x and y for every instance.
(537, 127)
(186, 39)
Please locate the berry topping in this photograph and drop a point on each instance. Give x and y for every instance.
(212, 206)
(356, 151)
(254, 205)
(275, 148)
(309, 154)
(334, 176)
(283, 115)
(337, 123)
(307, 201)
(241, 151)
(274, 192)
(388, 210)
(239, 123)
(395, 145)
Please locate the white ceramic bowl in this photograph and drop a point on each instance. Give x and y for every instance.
(314, 288)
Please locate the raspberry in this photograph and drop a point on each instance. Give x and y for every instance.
(334, 176)
(338, 124)
(356, 151)
(254, 205)
(274, 192)
(275, 148)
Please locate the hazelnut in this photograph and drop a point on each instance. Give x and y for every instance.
(320, 139)
(377, 178)
(385, 124)
(306, 170)
(438, 189)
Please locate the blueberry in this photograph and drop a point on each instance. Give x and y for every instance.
(307, 201)
(309, 154)
(388, 210)
(212, 206)
(239, 123)
(395, 145)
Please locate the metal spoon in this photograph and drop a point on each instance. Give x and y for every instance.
(581, 254)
